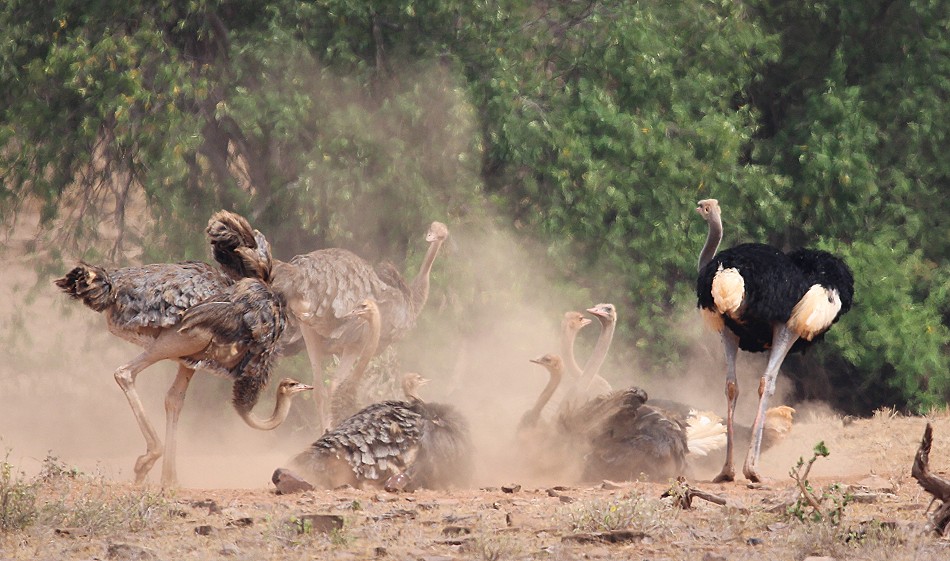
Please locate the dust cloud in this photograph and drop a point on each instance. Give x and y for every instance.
(501, 305)
(58, 396)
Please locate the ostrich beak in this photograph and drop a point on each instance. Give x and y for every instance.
(300, 387)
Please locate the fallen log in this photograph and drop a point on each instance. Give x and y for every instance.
(938, 487)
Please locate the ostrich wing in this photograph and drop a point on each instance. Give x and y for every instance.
(243, 323)
(333, 281)
(377, 442)
(158, 295)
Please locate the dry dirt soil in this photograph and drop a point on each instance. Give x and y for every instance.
(870, 459)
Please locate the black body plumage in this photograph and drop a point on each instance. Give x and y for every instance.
(774, 283)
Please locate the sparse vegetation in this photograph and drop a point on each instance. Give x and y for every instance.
(605, 515)
(17, 498)
(61, 497)
(810, 506)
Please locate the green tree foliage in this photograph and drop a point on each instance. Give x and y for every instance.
(593, 127)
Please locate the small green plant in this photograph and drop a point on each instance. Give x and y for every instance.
(810, 506)
(17, 499)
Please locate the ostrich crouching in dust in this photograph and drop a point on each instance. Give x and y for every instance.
(396, 445)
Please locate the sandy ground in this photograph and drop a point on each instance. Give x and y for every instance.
(519, 519)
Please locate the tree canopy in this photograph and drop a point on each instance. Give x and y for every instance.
(592, 128)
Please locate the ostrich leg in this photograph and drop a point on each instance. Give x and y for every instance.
(730, 344)
(782, 340)
(321, 396)
(174, 400)
(168, 345)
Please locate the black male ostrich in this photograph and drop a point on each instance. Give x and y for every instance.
(759, 298)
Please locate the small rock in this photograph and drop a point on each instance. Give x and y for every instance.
(242, 522)
(129, 552)
(565, 499)
(553, 493)
(209, 504)
(754, 541)
(436, 558)
(609, 485)
(455, 530)
(229, 549)
(874, 483)
(509, 519)
(615, 536)
(318, 523)
(709, 556)
(204, 530)
(513, 488)
(288, 482)
(380, 551)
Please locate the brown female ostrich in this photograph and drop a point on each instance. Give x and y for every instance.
(346, 398)
(759, 298)
(398, 445)
(322, 286)
(191, 313)
(615, 434)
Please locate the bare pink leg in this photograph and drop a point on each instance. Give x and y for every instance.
(730, 343)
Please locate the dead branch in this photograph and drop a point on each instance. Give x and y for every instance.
(938, 487)
(683, 495)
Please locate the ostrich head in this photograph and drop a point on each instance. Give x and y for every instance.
(549, 361)
(437, 232)
(411, 382)
(605, 313)
(288, 387)
(364, 309)
(708, 208)
(574, 321)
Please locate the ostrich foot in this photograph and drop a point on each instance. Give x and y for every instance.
(727, 474)
(144, 464)
(752, 473)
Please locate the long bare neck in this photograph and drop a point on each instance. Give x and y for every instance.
(554, 380)
(599, 354)
(713, 238)
(281, 409)
(568, 337)
(345, 398)
(420, 284)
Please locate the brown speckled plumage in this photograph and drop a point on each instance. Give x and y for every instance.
(194, 314)
(425, 445)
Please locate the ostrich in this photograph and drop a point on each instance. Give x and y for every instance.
(397, 445)
(346, 398)
(616, 434)
(191, 313)
(759, 298)
(320, 287)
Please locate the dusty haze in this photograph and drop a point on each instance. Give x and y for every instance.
(58, 395)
